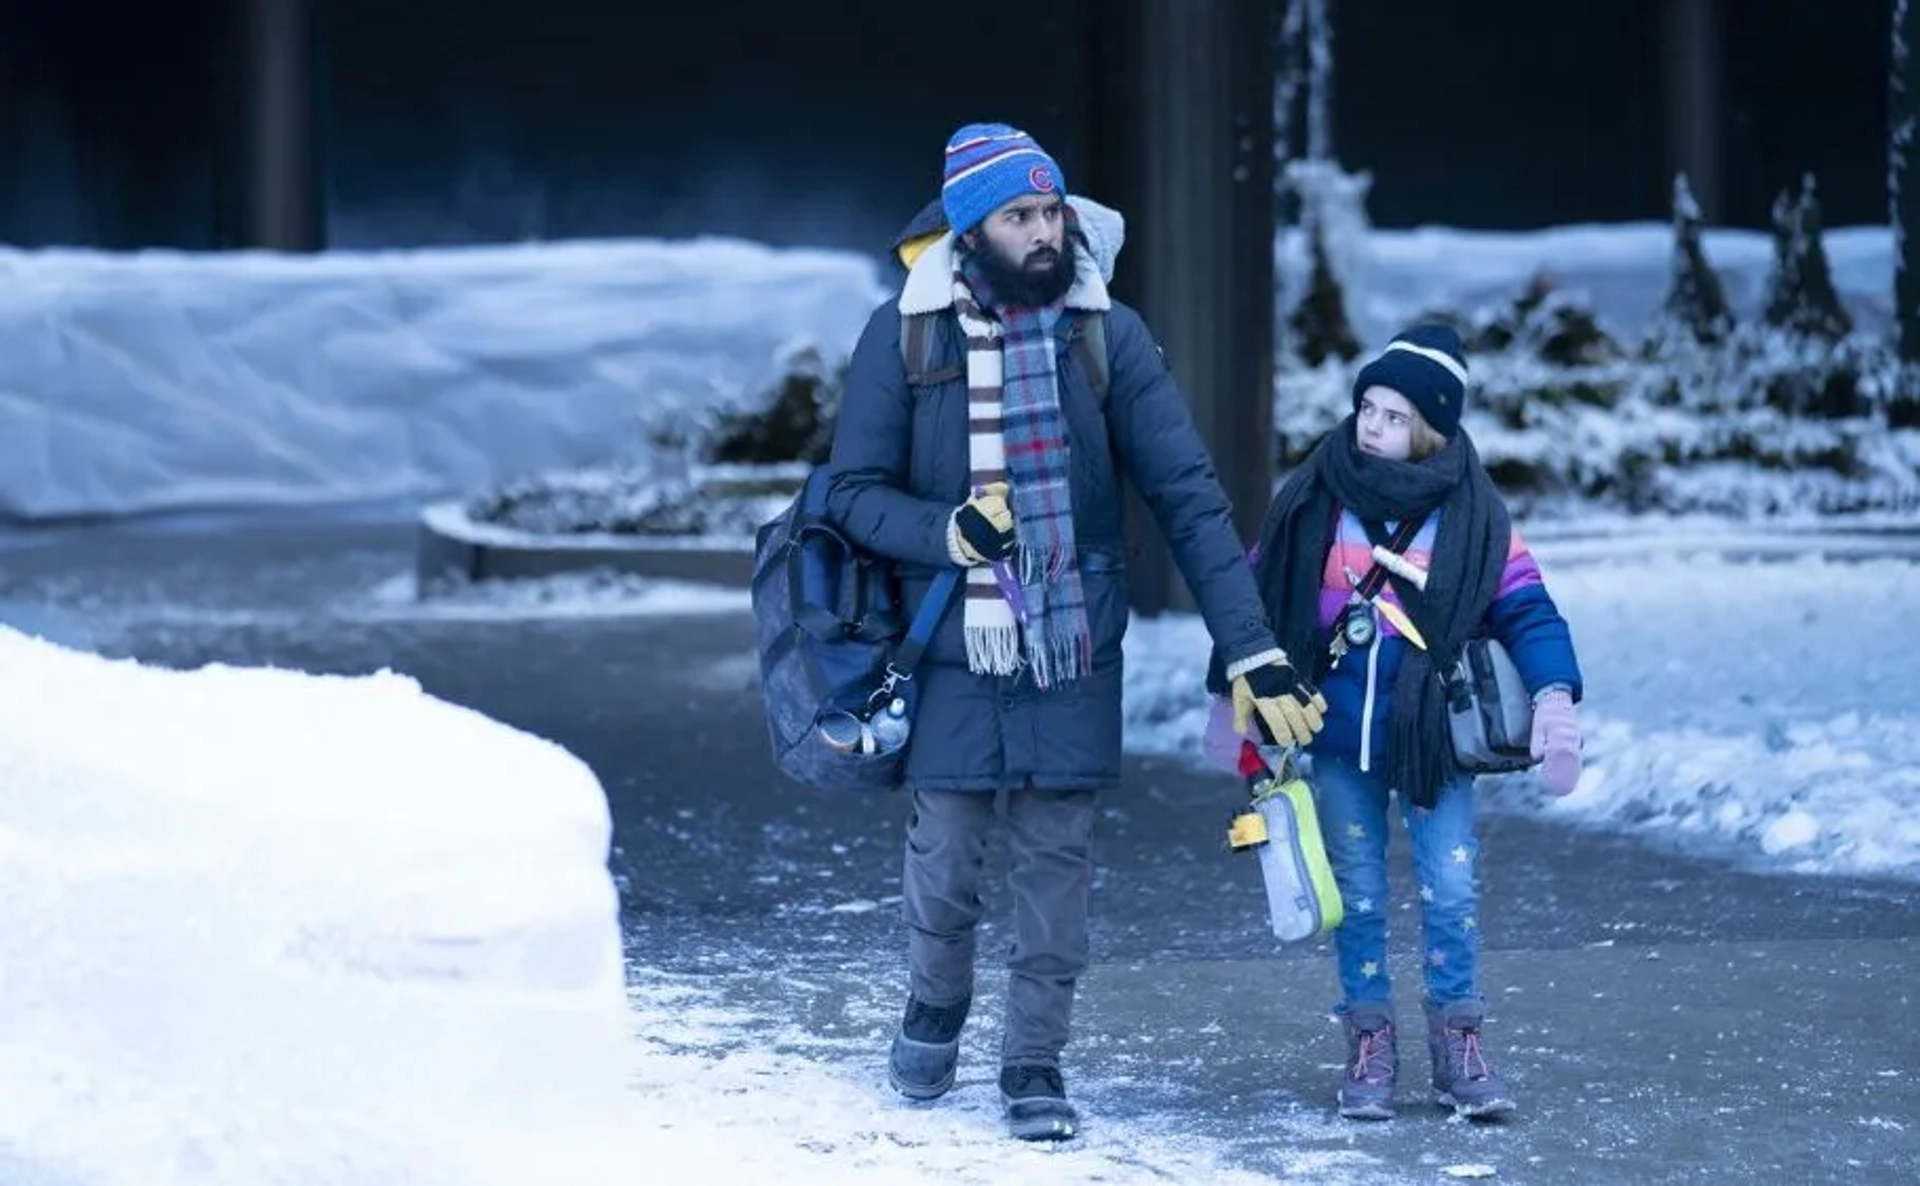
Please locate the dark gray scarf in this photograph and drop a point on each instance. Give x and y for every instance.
(1469, 556)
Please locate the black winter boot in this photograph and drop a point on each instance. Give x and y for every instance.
(926, 1051)
(1037, 1107)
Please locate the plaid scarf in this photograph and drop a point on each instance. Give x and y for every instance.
(1017, 433)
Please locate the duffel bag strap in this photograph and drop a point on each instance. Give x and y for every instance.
(809, 585)
(925, 622)
(919, 634)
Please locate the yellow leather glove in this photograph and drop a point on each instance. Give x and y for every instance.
(980, 530)
(1280, 702)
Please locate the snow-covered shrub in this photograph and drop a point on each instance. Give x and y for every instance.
(793, 422)
(1766, 423)
(720, 501)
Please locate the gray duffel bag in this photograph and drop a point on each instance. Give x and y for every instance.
(1489, 713)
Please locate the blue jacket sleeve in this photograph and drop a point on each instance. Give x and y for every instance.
(1164, 455)
(1527, 622)
(872, 452)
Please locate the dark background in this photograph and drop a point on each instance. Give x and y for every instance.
(489, 120)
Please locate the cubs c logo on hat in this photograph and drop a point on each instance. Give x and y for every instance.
(1041, 178)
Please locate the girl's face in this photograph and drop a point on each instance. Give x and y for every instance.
(1385, 423)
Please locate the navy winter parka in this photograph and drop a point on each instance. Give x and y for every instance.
(900, 466)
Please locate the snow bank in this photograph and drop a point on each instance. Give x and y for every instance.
(265, 927)
(163, 381)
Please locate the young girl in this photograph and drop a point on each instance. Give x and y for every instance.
(1400, 466)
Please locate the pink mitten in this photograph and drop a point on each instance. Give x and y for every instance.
(1556, 740)
(1220, 744)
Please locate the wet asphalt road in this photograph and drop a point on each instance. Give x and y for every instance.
(1663, 1018)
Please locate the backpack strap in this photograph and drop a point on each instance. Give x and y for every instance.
(920, 347)
(1089, 345)
(1412, 599)
(1398, 543)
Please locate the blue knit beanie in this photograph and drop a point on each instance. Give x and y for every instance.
(989, 165)
(1426, 364)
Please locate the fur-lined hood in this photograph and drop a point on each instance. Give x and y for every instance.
(929, 286)
(1102, 230)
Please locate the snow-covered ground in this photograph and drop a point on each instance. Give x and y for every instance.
(263, 927)
(328, 973)
(161, 382)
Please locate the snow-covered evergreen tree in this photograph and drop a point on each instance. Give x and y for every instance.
(1328, 202)
(1695, 309)
(1318, 327)
(1800, 296)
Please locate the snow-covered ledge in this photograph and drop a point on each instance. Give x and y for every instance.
(454, 548)
(263, 926)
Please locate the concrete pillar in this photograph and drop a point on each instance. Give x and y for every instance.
(1695, 110)
(1183, 129)
(281, 205)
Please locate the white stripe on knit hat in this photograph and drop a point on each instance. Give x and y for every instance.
(1446, 360)
(995, 159)
(979, 140)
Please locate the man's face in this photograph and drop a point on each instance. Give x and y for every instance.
(1025, 253)
(1027, 233)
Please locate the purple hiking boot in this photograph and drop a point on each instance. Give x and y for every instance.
(1462, 1080)
(1366, 1083)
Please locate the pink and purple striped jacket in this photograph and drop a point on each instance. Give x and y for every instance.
(1359, 689)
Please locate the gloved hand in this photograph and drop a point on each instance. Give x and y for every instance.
(980, 530)
(1287, 709)
(1556, 740)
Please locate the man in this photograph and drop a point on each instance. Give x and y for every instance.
(1004, 458)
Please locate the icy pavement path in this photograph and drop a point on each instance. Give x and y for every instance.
(781, 1066)
(121, 586)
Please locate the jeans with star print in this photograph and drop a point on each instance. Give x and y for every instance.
(1352, 806)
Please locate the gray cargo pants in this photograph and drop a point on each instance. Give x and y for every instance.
(1050, 871)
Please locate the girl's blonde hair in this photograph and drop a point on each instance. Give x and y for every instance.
(1423, 439)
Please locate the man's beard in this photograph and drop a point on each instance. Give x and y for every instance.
(1019, 286)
